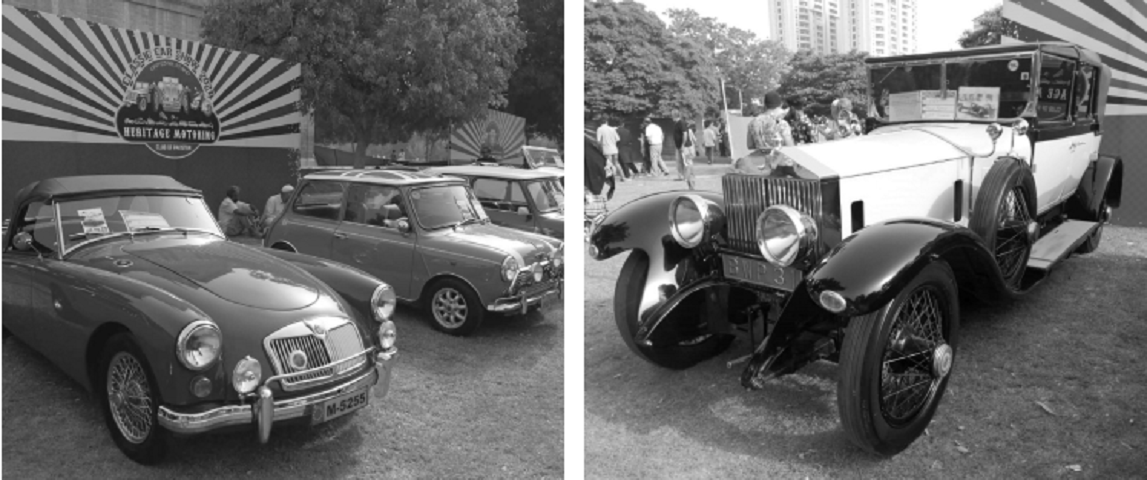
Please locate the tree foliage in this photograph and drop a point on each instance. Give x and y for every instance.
(987, 29)
(635, 66)
(817, 80)
(375, 71)
(536, 89)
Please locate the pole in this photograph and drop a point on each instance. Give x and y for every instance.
(728, 126)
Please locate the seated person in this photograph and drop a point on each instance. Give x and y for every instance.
(238, 218)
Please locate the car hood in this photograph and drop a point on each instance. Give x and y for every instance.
(894, 147)
(525, 247)
(230, 271)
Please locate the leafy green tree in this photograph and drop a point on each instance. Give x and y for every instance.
(817, 80)
(536, 89)
(634, 66)
(375, 71)
(987, 29)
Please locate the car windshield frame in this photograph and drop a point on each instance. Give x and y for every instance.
(556, 205)
(548, 157)
(1032, 84)
(475, 205)
(146, 219)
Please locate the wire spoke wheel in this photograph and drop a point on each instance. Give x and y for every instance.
(907, 376)
(129, 397)
(1012, 239)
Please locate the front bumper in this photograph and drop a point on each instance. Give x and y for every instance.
(264, 410)
(522, 302)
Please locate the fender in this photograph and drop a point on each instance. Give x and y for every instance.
(355, 286)
(1103, 180)
(643, 224)
(869, 268)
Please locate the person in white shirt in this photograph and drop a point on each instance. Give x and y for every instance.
(654, 138)
(274, 206)
(710, 140)
(607, 137)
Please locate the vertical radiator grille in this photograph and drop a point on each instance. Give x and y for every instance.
(746, 196)
(341, 342)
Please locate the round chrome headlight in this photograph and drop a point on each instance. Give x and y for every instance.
(690, 220)
(510, 268)
(560, 256)
(199, 345)
(784, 234)
(387, 335)
(247, 375)
(383, 302)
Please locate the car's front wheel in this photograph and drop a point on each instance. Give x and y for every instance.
(896, 362)
(454, 308)
(130, 400)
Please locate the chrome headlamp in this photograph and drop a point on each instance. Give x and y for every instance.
(510, 268)
(248, 372)
(560, 256)
(784, 234)
(383, 303)
(692, 219)
(387, 335)
(200, 345)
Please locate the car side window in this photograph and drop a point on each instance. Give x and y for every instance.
(518, 198)
(491, 193)
(39, 219)
(1055, 88)
(320, 200)
(1085, 80)
(378, 205)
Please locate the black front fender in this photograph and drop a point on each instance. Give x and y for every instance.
(869, 268)
(643, 224)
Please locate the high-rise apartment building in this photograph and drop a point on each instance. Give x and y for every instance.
(880, 27)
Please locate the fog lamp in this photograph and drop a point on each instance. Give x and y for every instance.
(247, 375)
(201, 386)
(832, 301)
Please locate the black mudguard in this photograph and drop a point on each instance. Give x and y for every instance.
(1103, 180)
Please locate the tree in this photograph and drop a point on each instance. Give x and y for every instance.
(635, 67)
(986, 30)
(537, 92)
(376, 71)
(817, 80)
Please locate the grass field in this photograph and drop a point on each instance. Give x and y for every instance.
(488, 406)
(1075, 346)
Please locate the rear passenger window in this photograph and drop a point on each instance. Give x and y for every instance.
(320, 200)
(1055, 88)
(492, 193)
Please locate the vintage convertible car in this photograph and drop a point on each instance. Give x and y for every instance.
(530, 200)
(856, 251)
(428, 236)
(126, 283)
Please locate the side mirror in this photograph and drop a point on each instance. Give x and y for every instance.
(403, 226)
(22, 242)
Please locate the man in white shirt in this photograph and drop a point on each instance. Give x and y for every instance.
(274, 206)
(607, 137)
(654, 137)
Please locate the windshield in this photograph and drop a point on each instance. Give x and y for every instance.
(547, 194)
(543, 157)
(959, 89)
(92, 218)
(445, 206)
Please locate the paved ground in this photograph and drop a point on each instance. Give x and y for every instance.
(1076, 346)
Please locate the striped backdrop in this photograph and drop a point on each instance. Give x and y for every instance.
(1117, 31)
(64, 80)
(507, 134)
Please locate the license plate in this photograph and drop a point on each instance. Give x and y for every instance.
(339, 406)
(758, 272)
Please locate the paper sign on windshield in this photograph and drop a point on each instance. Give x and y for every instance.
(93, 221)
(978, 103)
(136, 220)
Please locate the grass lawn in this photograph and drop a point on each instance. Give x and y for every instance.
(1075, 346)
(488, 406)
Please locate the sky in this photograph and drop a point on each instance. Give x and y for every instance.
(939, 23)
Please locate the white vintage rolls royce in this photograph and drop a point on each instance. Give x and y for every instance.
(981, 172)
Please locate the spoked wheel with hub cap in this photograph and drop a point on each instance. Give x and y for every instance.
(675, 346)
(453, 307)
(896, 363)
(1004, 215)
(130, 401)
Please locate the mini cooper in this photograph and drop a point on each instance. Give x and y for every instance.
(856, 251)
(530, 200)
(126, 283)
(427, 236)
(539, 158)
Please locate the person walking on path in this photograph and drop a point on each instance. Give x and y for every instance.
(710, 140)
(679, 128)
(654, 137)
(607, 137)
(628, 151)
(766, 133)
(688, 153)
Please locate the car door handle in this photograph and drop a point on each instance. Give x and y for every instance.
(341, 236)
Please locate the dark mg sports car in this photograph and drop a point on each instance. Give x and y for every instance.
(127, 284)
(857, 251)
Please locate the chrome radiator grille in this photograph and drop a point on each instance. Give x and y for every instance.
(341, 342)
(746, 196)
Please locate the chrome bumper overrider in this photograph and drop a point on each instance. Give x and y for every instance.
(265, 410)
(524, 301)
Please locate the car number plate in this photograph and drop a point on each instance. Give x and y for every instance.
(758, 272)
(339, 406)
